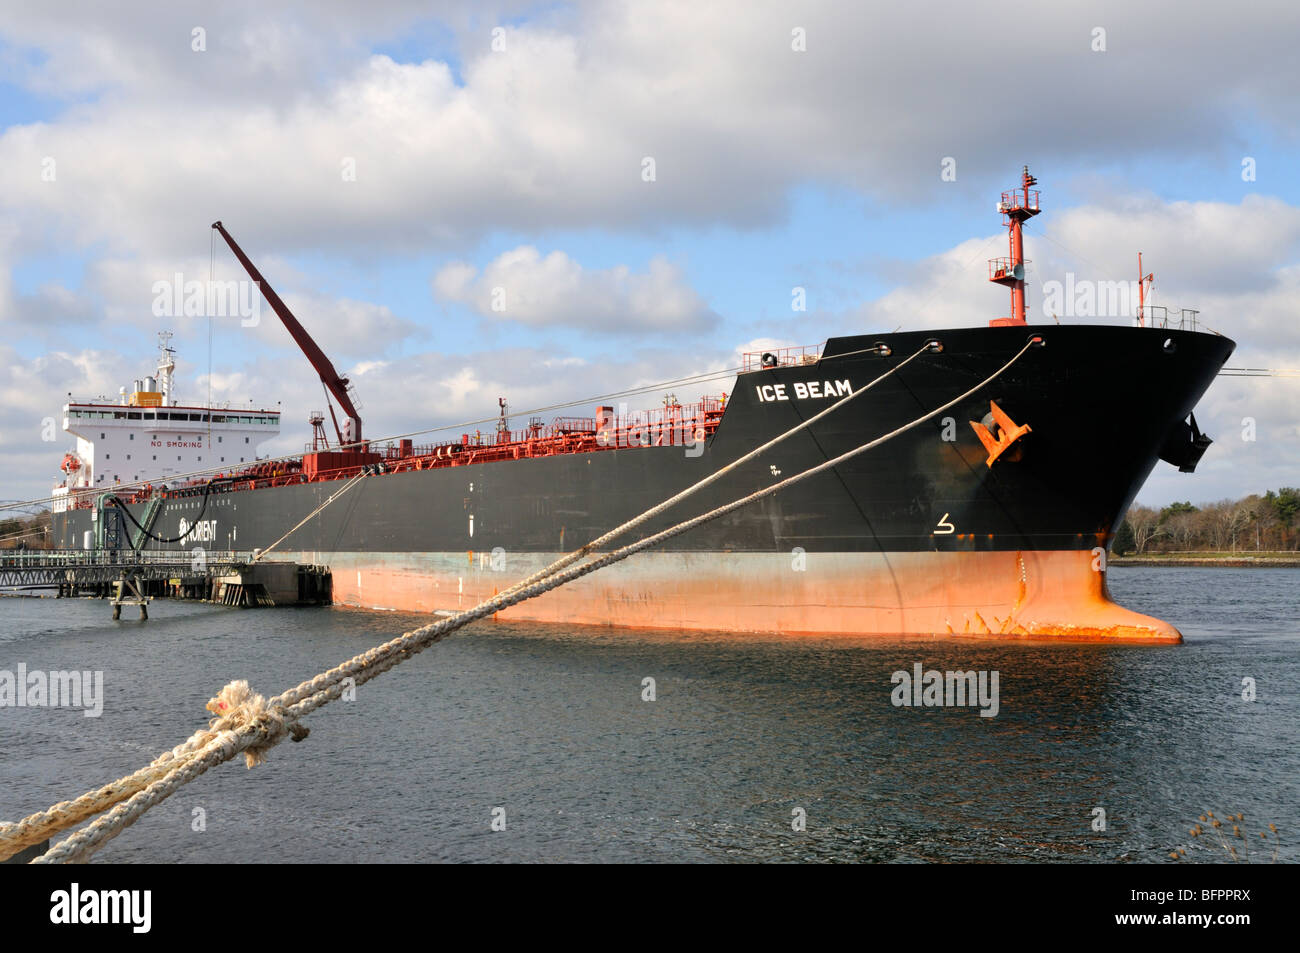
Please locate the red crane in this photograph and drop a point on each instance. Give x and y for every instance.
(350, 433)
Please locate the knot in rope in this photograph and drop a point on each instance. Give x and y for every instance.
(239, 709)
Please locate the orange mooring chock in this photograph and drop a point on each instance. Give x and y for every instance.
(1008, 433)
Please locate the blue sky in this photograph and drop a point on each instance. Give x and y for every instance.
(775, 169)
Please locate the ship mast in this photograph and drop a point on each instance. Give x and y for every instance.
(166, 366)
(1144, 282)
(1017, 206)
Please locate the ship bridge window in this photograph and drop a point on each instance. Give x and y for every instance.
(134, 415)
(196, 416)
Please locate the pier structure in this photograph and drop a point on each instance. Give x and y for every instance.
(135, 578)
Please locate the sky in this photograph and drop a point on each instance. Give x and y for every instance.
(647, 184)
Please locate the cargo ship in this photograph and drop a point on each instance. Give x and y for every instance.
(992, 520)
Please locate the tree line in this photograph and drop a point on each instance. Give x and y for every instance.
(25, 532)
(1267, 523)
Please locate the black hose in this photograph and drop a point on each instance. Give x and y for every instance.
(207, 489)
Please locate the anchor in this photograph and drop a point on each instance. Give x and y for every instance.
(1008, 433)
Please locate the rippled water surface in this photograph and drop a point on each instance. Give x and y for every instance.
(549, 724)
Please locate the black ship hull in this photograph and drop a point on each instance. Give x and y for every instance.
(918, 536)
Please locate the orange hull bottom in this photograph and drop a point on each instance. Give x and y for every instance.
(1020, 595)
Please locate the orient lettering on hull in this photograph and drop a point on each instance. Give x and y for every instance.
(810, 390)
(205, 531)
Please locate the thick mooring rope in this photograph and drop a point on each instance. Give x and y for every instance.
(38, 827)
(654, 511)
(248, 724)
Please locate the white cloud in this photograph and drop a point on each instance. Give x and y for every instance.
(414, 393)
(552, 131)
(1200, 252)
(553, 290)
(158, 141)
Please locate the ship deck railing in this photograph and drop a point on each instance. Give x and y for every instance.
(673, 425)
(780, 357)
(1155, 316)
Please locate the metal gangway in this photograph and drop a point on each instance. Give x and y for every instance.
(53, 568)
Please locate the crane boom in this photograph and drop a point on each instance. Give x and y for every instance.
(336, 385)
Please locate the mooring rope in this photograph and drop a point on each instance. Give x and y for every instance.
(571, 558)
(251, 725)
(334, 496)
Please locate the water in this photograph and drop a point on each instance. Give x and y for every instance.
(550, 725)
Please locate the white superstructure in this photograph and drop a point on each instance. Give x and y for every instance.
(146, 437)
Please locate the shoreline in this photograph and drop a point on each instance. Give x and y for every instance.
(1212, 560)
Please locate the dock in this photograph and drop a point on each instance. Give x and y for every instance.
(136, 578)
